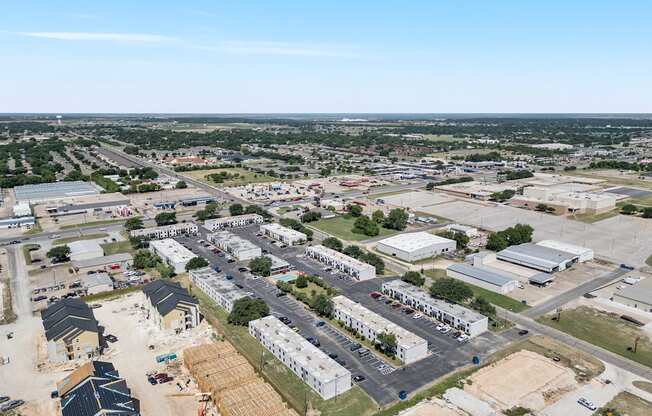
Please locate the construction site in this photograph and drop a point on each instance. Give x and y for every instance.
(229, 385)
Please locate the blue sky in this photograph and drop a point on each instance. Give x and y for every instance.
(326, 56)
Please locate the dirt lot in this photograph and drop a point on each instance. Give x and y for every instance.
(433, 407)
(629, 404)
(125, 319)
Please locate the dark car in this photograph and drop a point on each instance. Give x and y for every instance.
(228, 277)
(39, 298)
(355, 347)
(4, 399)
(160, 376)
(242, 269)
(332, 355)
(358, 379)
(315, 342)
(230, 261)
(523, 332)
(280, 294)
(239, 286)
(320, 324)
(111, 338)
(152, 380)
(11, 405)
(165, 379)
(285, 320)
(340, 362)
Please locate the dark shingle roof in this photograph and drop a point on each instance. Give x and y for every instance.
(67, 318)
(166, 296)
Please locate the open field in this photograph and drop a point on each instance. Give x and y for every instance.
(93, 223)
(245, 176)
(591, 218)
(67, 240)
(629, 404)
(614, 177)
(643, 385)
(27, 252)
(605, 330)
(340, 227)
(117, 247)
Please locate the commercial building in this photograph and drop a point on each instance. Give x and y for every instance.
(53, 191)
(638, 295)
(483, 276)
(409, 347)
(97, 283)
(27, 222)
(538, 257)
(560, 201)
(113, 261)
(199, 200)
(283, 234)
(470, 232)
(166, 231)
(71, 330)
(346, 264)
(22, 209)
(308, 362)
(216, 287)
(85, 250)
(94, 389)
(234, 221)
(234, 245)
(278, 264)
(173, 253)
(171, 306)
(458, 317)
(584, 254)
(415, 246)
(112, 203)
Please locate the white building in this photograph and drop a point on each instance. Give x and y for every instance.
(166, 231)
(97, 283)
(216, 287)
(85, 250)
(585, 254)
(234, 221)
(173, 253)
(415, 246)
(22, 209)
(470, 232)
(234, 245)
(283, 234)
(409, 347)
(278, 264)
(309, 363)
(485, 277)
(454, 315)
(346, 264)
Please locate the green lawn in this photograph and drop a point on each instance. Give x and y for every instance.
(494, 298)
(111, 295)
(35, 229)
(591, 218)
(67, 240)
(27, 252)
(627, 404)
(245, 177)
(341, 227)
(118, 247)
(294, 391)
(648, 261)
(604, 330)
(93, 223)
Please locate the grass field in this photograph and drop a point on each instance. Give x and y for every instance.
(648, 261)
(604, 330)
(118, 247)
(294, 391)
(627, 404)
(35, 229)
(245, 177)
(93, 223)
(340, 227)
(67, 240)
(591, 218)
(111, 295)
(612, 179)
(494, 298)
(643, 385)
(27, 249)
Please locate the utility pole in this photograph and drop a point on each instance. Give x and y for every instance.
(636, 340)
(558, 314)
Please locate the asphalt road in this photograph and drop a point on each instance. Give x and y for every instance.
(558, 301)
(64, 233)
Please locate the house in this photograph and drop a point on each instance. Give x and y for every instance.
(171, 306)
(71, 330)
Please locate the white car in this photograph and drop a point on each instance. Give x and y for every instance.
(445, 329)
(417, 316)
(588, 404)
(463, 338)
(440, 327)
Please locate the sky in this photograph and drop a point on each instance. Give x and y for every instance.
(309, 56)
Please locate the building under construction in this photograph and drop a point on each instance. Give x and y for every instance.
(234, 386)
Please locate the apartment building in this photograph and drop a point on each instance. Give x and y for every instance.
(71, 330)
(166, 231)
(234, 245)
(346, 264)
(283, 234)
(409, 347)
(234, 221)
(215, 286)
(173, 253)
(458, 317)
(170, 306)
(308, 362)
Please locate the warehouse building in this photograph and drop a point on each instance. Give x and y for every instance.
(22, 209)
(561, 201)
(309, 363)
(96, 388)
(232, 222)
(171, 306)
(166, 231)
(413, 247)
(637, 296)
(458, 317)
(113, 203)
(234, 245)
(470, 232)
(216, 287)
(200, 200)
(27, 222)
(409, 347)
(53, 191)
(346, 264)
(71, 330)
(97, 283)
(172, 253)
(283, 234)
(113, 262)
(85, 250)
(538, 257)
(584, 254)
(483, 276)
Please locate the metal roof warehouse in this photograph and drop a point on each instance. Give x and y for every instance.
(537, 257)
(53, 191)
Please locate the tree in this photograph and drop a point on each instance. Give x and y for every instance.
(647, 212)
(256, 209)
(166, 218)
(134, 224)
(451, 290)
(396, 220)
(518, 234)
(236, 209)
(196, 263)
(364, 225)
(138, 242)
(378, 216)
(502, 196)
(414, 278)
(247, 309)
(322, 305)
(59, 254)
(541, 207)
(164, 270)
(333, 243)
(496, 242)
(374, 260)
(145, 259)
(387, 343)
(311, 216)
(355, 210)
(181, 185)
(483, 306)
(301, 282)
(353, 251)
(461, 239)
(628, 209)
(261, 266)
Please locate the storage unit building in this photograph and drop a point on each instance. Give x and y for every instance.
(413, 247)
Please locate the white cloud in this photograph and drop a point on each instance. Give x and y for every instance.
(111, 37)
(279, 48)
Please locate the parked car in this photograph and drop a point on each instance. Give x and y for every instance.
(320, 324)
(228, 277)
(280, 294)
(588, 404)
(242, 269)
(332, 355)
(375, 295)
(11, 405)
(463, 338)
(417, 315)
(111, 338)
(160, 376)
(4, 399)
(355, 347)
(285, 320)
(39, 298)
(358, 379)
(523, 332)
(445, 329)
